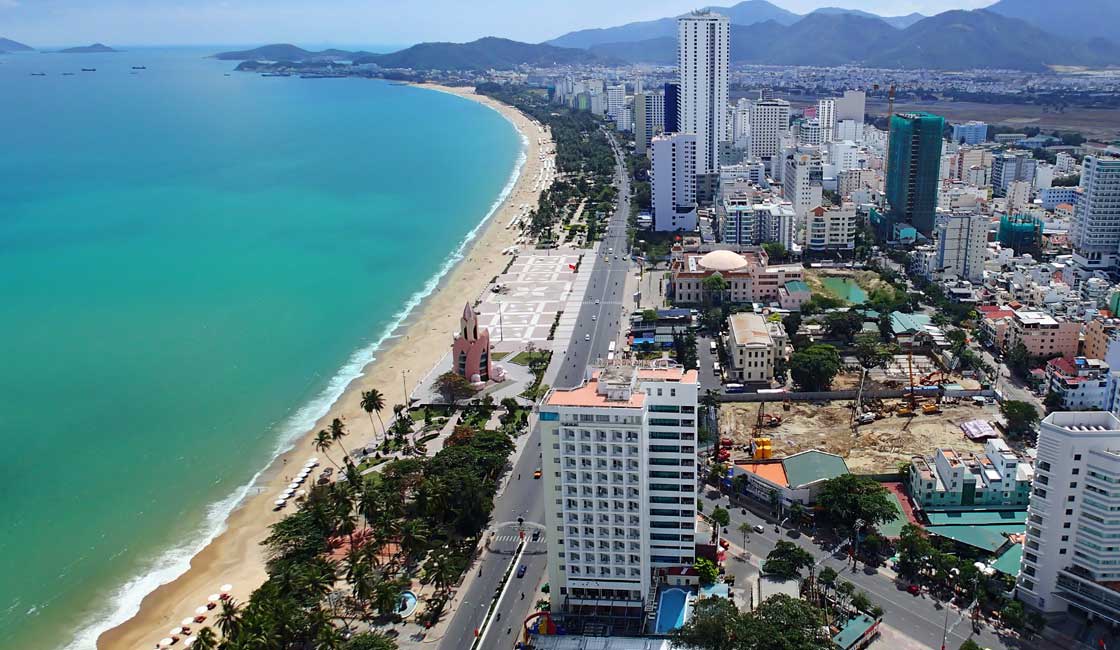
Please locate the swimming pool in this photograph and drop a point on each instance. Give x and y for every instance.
(407, 604)
(672, 610)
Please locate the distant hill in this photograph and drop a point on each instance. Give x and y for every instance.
(901, 22)
(288, 52)
(954, 40)
(1078, 20)
(88, 49)
(744, 13)
(8, 46)
(483, 54)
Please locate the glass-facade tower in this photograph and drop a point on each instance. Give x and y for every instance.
(913, 168)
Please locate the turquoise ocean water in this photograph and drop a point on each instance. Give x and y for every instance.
(192, 266)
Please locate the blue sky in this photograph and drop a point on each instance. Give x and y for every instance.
(356, 22)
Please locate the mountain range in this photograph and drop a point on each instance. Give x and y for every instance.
(1011, 34)
(1015, 34)
(484, 54)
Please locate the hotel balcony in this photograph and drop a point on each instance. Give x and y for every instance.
(1076, 587)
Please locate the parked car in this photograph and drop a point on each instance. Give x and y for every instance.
(759, 529)
(521, 571)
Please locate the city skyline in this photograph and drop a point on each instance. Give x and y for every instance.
(350, 22)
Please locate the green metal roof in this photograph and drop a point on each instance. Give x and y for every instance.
(985, 538)
(796, 285)
(810, 466)
(852, 631)
(976, 517)
(893, 528)
(1008, 561)
(902, 323)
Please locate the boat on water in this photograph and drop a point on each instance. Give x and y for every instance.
(38, 74)
(139, 67)
(89, 69)
(67, 74)
(276, 74)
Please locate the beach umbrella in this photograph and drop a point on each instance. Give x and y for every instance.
(279, 502)
(187, 621)
(226, 588)
(165, 642)
(201, 610)
(175, 631)
(188, 642)
(213, 598)
(293, 485)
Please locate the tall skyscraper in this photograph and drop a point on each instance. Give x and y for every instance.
(852, 106)
(616, 100)
(802, 180)
(1070, 556)
(649, 119)
(1096, 225)
(913, 169)
(826, 116)
(769, 123)
(619, 463)
(702, 60)
(672, 107)
(962, 242)
(741, 124)
(673, 181)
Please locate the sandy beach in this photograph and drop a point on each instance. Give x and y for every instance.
(236, 556)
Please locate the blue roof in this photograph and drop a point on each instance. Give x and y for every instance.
(810, 466)
(976, 517)
(1008, 562)
(905, 323)
(853, 631)
(986, 538)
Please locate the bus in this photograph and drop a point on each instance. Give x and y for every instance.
(733, 388)
(610, 349)
(610, 356)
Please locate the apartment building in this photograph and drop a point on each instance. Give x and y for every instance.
(830, 230)
(673, 181)
(619, 464)
(1043, 335)
(952, 480)
(1071, 557)
(1081, 384)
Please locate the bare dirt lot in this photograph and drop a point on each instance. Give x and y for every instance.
(874, 448)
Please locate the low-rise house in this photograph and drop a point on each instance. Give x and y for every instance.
(793, 479)
(754, 345)
(996, 478)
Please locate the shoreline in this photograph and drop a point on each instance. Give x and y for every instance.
(405, 354)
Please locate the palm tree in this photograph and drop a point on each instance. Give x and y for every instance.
(229, 619)
(413, 538)
(373, 402)
(323, 443)
(745, 529)
(205, 640)
(338, 432)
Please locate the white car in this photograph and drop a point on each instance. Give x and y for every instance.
(594, 317)
(586, 337)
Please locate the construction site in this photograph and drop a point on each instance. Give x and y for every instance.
(876, 439)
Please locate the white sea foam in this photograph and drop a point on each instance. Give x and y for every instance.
(125, 601)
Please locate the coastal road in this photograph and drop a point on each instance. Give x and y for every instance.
(603, 313)
(598, 324)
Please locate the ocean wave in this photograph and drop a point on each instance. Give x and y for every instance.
(170, 565)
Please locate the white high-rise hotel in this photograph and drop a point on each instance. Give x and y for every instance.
(1096, 227)
(673, 180)
(619, 463)
(1071, 557)
(702, 60)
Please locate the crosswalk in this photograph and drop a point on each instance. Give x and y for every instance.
(514, 538)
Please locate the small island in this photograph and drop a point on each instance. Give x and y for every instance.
(96, 48)
(8, 46)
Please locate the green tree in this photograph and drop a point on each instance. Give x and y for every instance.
(373, 401)
(787, 560)
(870, 352)
(791, 324)
(716, 624)
(1013, 614)
(969, 644)
(720, 518)
(1021, 417)
(1053, 401)
(1018, 360)
(370, 641)
(814, 368)
(707, 570)
(745, 530)
(775, 252)
(779, 623)
(848, 498)
(323, 443)
(844, 325)
(453, 387)
(886, 332)
(715, 286)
